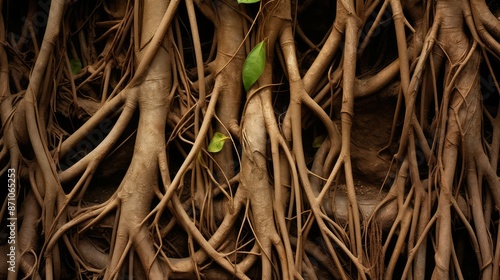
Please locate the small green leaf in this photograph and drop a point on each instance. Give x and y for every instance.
(200, 159)
(318, 141)
(76, 65)
(254, 65)
(217, 142)
(247, 1)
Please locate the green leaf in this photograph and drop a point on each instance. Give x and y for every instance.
(76, 65)
(318, 141)
(254, 65)
(247, 1)
(217, 142)
(200, 159)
